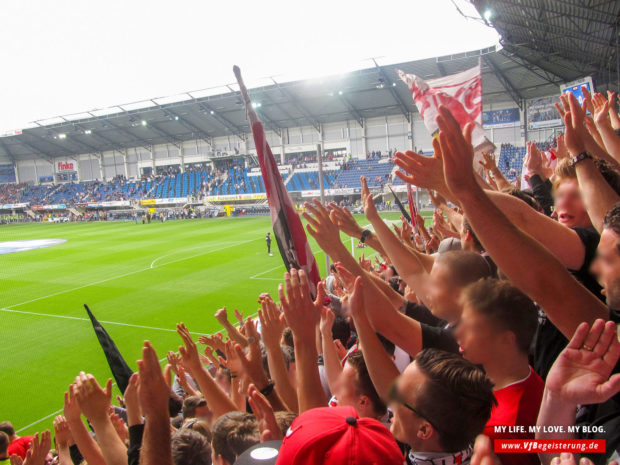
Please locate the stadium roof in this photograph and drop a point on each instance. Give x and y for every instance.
(543, 47)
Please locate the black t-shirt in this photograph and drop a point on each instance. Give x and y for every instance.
(436, 334)
(590, 239)
(605, 416)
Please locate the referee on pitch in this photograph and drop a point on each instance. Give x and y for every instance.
(268, 240)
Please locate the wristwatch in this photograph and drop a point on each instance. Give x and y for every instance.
(582, 156)
(365, 234)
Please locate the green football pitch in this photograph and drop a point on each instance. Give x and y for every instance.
(139, 281)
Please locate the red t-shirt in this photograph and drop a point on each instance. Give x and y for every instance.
(517, 406)
(20, 446)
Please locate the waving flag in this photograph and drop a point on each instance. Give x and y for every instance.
(118, 366)
(290, 234)
(413, 208)
(461, 93)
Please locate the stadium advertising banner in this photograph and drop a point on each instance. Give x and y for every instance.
(317, 193)
(110, 203)
(506, 118)
(13, 206)
(147, 202)
(66, 165)
(59, 206)
(541, 113)
(232, 198)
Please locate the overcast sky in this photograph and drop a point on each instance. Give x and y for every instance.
(68, 56)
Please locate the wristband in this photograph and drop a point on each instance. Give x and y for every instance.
(365, 234)
(267, 390)
(582, 156)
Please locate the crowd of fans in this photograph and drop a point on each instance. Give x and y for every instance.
(496, 323)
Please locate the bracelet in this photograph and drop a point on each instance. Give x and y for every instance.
(582, 156)
(267, 390)
(365, 234)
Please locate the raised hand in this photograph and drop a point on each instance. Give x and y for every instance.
(216, 341)
(327, 322)
(153, 392)
(488, 161)
(232, 362)
(134, 414)
(222, 316)
(62, 432)
(72, 409)
(119, 426)
(344, 220)
(322, 228)
(267, 424)
(16, 460)
(301, 313)
(39, 448)
(252, 363)
(239, 316)
(576, 133)
(368, 202)
(424, 172)
(94, 401)
(533, 159)
(173, 360)
(561, 149)
(458, 153)
(272, 323)
(483, 452)
(189, 352)
(581, 373)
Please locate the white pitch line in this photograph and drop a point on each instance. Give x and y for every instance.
(50, 315)
(186, 249)
(113, 384)
(121, 276)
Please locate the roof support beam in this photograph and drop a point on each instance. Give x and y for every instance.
(192, 127)
(399, 101)
(314, 122)
(236, 130)
(509, 86)
(352, 111)
(127, 133)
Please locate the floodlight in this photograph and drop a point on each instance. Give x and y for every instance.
(62, 136)
(88, 131)
(144, 123)
(487, 15)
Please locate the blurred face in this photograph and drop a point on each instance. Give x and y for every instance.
(222, 379)
(442, 297)
(477, 338)
(569, 206)
(407, 426)
(202, 412)
(606, 267)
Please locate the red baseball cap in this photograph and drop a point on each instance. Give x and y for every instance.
(337, 436)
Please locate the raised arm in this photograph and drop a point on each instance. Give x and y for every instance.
(216, 398)
(380, 365)
(343, 218)
(302, 316)
(529, 265)
(598, 196)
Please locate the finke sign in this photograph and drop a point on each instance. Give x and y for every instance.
(65, 166)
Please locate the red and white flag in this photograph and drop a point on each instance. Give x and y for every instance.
(461, 93)
(287, 228)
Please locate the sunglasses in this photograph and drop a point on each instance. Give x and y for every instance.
(394, 396)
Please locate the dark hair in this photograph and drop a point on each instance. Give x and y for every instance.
(456, 398)
(612, 219)
(364, 385)
(285, 420)
(200, 426)
(341, 330)
(289, 355)
(233, 433)
(287, 336)
(393, 268)
(394, 283)
(190, 448)
(175, 404)
(465, 267)
(4, 442)
(523, 195)
(507, 307)
(190, 404)
(7, 428)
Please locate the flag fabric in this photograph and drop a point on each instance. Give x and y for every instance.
(120, 370)
(287, 227)
(400, 206)
(461, 93)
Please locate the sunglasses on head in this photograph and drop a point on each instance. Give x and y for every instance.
(394, 396)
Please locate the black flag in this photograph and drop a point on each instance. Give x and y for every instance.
(120, 369)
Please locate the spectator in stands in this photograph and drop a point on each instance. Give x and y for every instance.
(17, 445)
